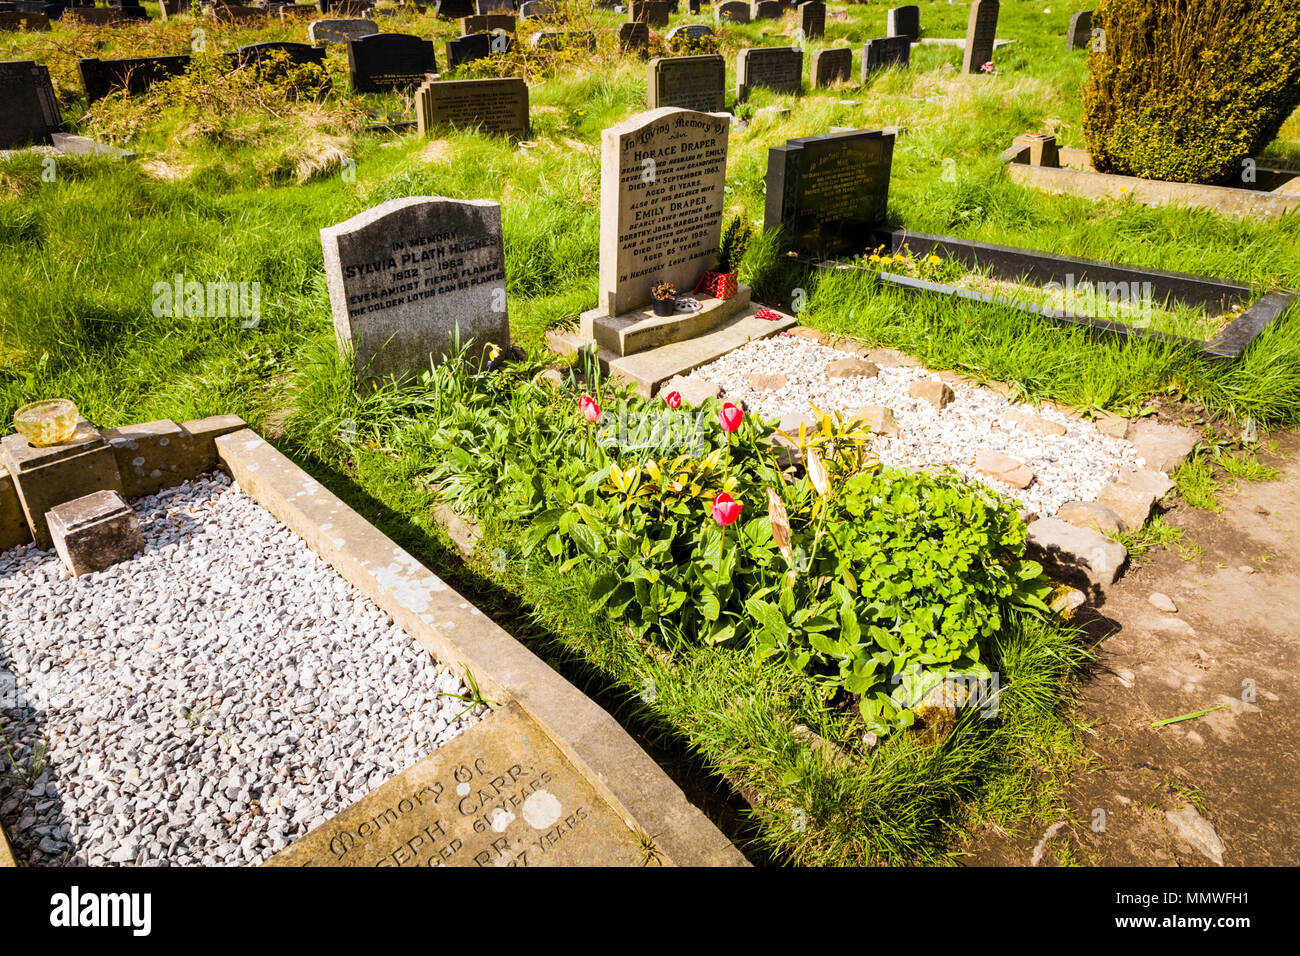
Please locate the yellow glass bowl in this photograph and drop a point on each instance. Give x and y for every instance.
(47, 423)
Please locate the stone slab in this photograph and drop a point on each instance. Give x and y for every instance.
(452, 629)
(340, 31)
(640, 330)
(95, 532)
(50, 476)
(777, 68)
(13, 525)
(981, 35)
(500, 794)
(687, 82)
(1079, 556)
(494, 105)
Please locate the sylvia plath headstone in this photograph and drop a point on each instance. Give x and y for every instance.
(778, 68)
(29, 113)
(662, 177)
(884, 52)
(495, 105)
(904, 22)
(407, 274)
(687, 82)
(981, 31)
(386, 61)
(827, 194)
(831, 65)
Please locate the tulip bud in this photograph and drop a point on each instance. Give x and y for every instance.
(817, 472)
(731, 417)
(673, 399)
(589, 409)
(726, 509)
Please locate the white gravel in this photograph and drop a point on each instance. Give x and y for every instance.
(1070, 467)
(208, 701)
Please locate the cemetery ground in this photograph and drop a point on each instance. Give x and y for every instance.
(233, 182)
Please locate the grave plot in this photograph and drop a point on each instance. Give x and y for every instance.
(209, 701)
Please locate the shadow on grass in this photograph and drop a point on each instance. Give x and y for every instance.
(709, 791)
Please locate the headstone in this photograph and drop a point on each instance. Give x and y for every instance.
(1080, 30)
(173, 8)
(493, 105)
(463, 49)
(274, 58)
(488, 23)
(29, 113)
(885, 52)
(633, 37)
(237, 14)
(904, 22)
(662, 177)
(291, 12)
(778, 68)
(687, 82)
(828, 193)
(765, 10)
(693, 7)
(322, 32)
(135, 75)
(346, 8)
(94, 532)
(652, 12)
(831, 65)
(557, 40)
(23, 21)
(406, 274)
(812, 19)
(981, 31)
(734, 10)
(500, 794)
(386, 61)
(685, 35)
(102, 16)
(533, 9)
(454, 9)
(482, 7)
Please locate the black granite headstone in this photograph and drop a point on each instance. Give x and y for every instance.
(812, 19)
(454, 9)
(904, 22)
(884, 52)
(471, 46)
(29, 113)
(135, 75)
(386, 61)
(826, 194)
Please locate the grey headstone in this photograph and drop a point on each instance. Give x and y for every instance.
(688, 82)
(493, 105)
(778, 68)
(765, 10)
(406, 274)
(340, 31)
(884, 52)
(981, 31)
(831, 65)
(734, 10)
(1080, 30)
(812, 19)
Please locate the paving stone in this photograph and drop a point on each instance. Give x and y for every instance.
(936, 393)
(1077, 552)
(694, 390)
(1028, 422)
(1133, 495)
(1090, 514)
(1113, 425)
(765, 383)
(878, 418)
(1003, 468)
(1162, 447)
(852, 368)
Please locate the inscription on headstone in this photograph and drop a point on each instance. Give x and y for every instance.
(662, 177)
(981, 31)
(24, 21)
(1080, 30)
(652, 12)
(828, 193)
(778, 68)
(385, 61)
(29, 113)
(488, 23)
(633, 37)
(885, 52)
(904, 22)
(321, 32)
(406, 274)
(687, 82)
(831, 65)
(493, 105)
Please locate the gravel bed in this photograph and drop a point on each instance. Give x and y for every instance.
(208, 701)
(1070, 467)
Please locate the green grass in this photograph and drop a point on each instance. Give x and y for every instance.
(1156, 533)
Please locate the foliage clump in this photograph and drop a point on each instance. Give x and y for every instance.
(1185, 90)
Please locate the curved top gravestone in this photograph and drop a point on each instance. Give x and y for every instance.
(385, 61)
(405, 276)
(340, 31)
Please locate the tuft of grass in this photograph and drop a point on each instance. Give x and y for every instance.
(1197, 485)
(1156, 533)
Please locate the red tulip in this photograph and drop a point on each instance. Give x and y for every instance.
(673, 399)
(731, 417)
(590, 410)
(726, 509)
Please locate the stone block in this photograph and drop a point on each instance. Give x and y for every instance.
(95, 532)
(1162, 447)
(150, 457)
(1076, 553)
(1004, 468)
(47, 477)
(878, 418)
(1091, 514)
(13, 526)
(936, 393)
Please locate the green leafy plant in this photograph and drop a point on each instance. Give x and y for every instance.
(736, 235)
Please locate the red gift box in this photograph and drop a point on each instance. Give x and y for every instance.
(720, 285)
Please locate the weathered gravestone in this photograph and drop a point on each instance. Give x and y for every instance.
(765, 10)
(904, 22)
(103, 16)
(322, 32)
(291, 12)
(652, 12)
(173, 8)
(454, 9)
(778, 68)
(406, 274)
(29, 113)
(346, 8)
(687, 33)
(135, 75)
(734, 10)
(831, 65)
(275, 58)
(23, 21)
(981, 31)
(482, 7)
(236, 13)
(471, 46)
(883, 52)
(500, 794)
(386, 61)
(493, 105)
(662, 177)
(1080, 30)
(557, 40)
(535, 9)
(687, 82)
(826, 194)
(634, 37)
(488, 23)
(812, 19)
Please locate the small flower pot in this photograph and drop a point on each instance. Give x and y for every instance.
(720, 285)
(664, 306)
